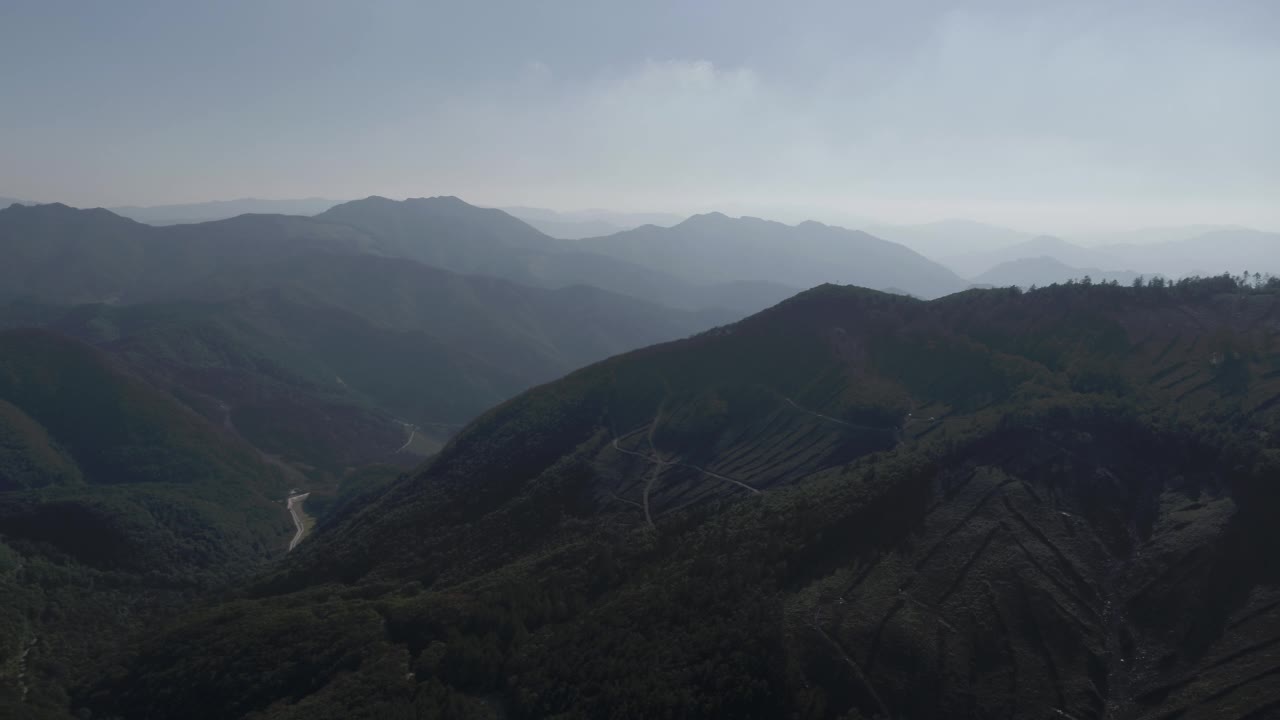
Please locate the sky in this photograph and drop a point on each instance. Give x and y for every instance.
(1043, 116)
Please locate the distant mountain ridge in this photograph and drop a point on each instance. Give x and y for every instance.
(716, 248)
(451, 234)
(363, 340)
(314, 339)
(976, 263)
(944, 238)
(1233, 250)
(588, 223)
(221, 210)
(1040, 271)
(1210, 253)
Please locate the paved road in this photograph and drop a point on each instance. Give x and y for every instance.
(295, 511)
(412, 432)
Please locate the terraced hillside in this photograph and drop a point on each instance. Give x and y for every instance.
(1052, 504)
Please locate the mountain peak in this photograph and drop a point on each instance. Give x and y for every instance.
(62, 211)
(447, 200)
(705, 219)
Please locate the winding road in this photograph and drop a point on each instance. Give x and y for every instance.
(295, 511)
(659, 463)
(412, 432)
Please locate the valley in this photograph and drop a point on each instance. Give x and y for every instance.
(639, 361)
(484, 492)
(858, 508)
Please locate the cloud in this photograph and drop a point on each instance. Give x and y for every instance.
(988, 114)
(1034, 113)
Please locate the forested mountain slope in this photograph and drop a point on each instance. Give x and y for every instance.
(852, 505)
(321, 342)
(323, 359)
(116, 502)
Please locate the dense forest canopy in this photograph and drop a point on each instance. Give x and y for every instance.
(854, 504)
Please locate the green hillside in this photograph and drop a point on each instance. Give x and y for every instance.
(329, 361)
(852, 505)
(116, 504)
(322, 340)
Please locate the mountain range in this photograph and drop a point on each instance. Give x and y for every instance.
(1205, 253)
(588, 223)
(853, 504)
(420, 459)
(1044, 270)
(467, 239)
(717, 248)
(946, 238)
(221, 210)
(302, 334)
(326, 340)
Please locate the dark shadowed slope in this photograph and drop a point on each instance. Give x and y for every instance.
(714, 248)
(116, 504)
(854, 504)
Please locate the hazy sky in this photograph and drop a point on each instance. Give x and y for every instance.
(1047, 116)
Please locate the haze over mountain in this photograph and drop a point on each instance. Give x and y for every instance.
(1208, 253)
(1148, 235)
(975, 264)
(1041, 271)
(1059, 118)
(270, 323)
(946, 238)
(323, 360)
(65, 255)
(588, 223)
(221, 210)
(717, 248)
(448, 233)
(1229, 250)
(778, 428)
